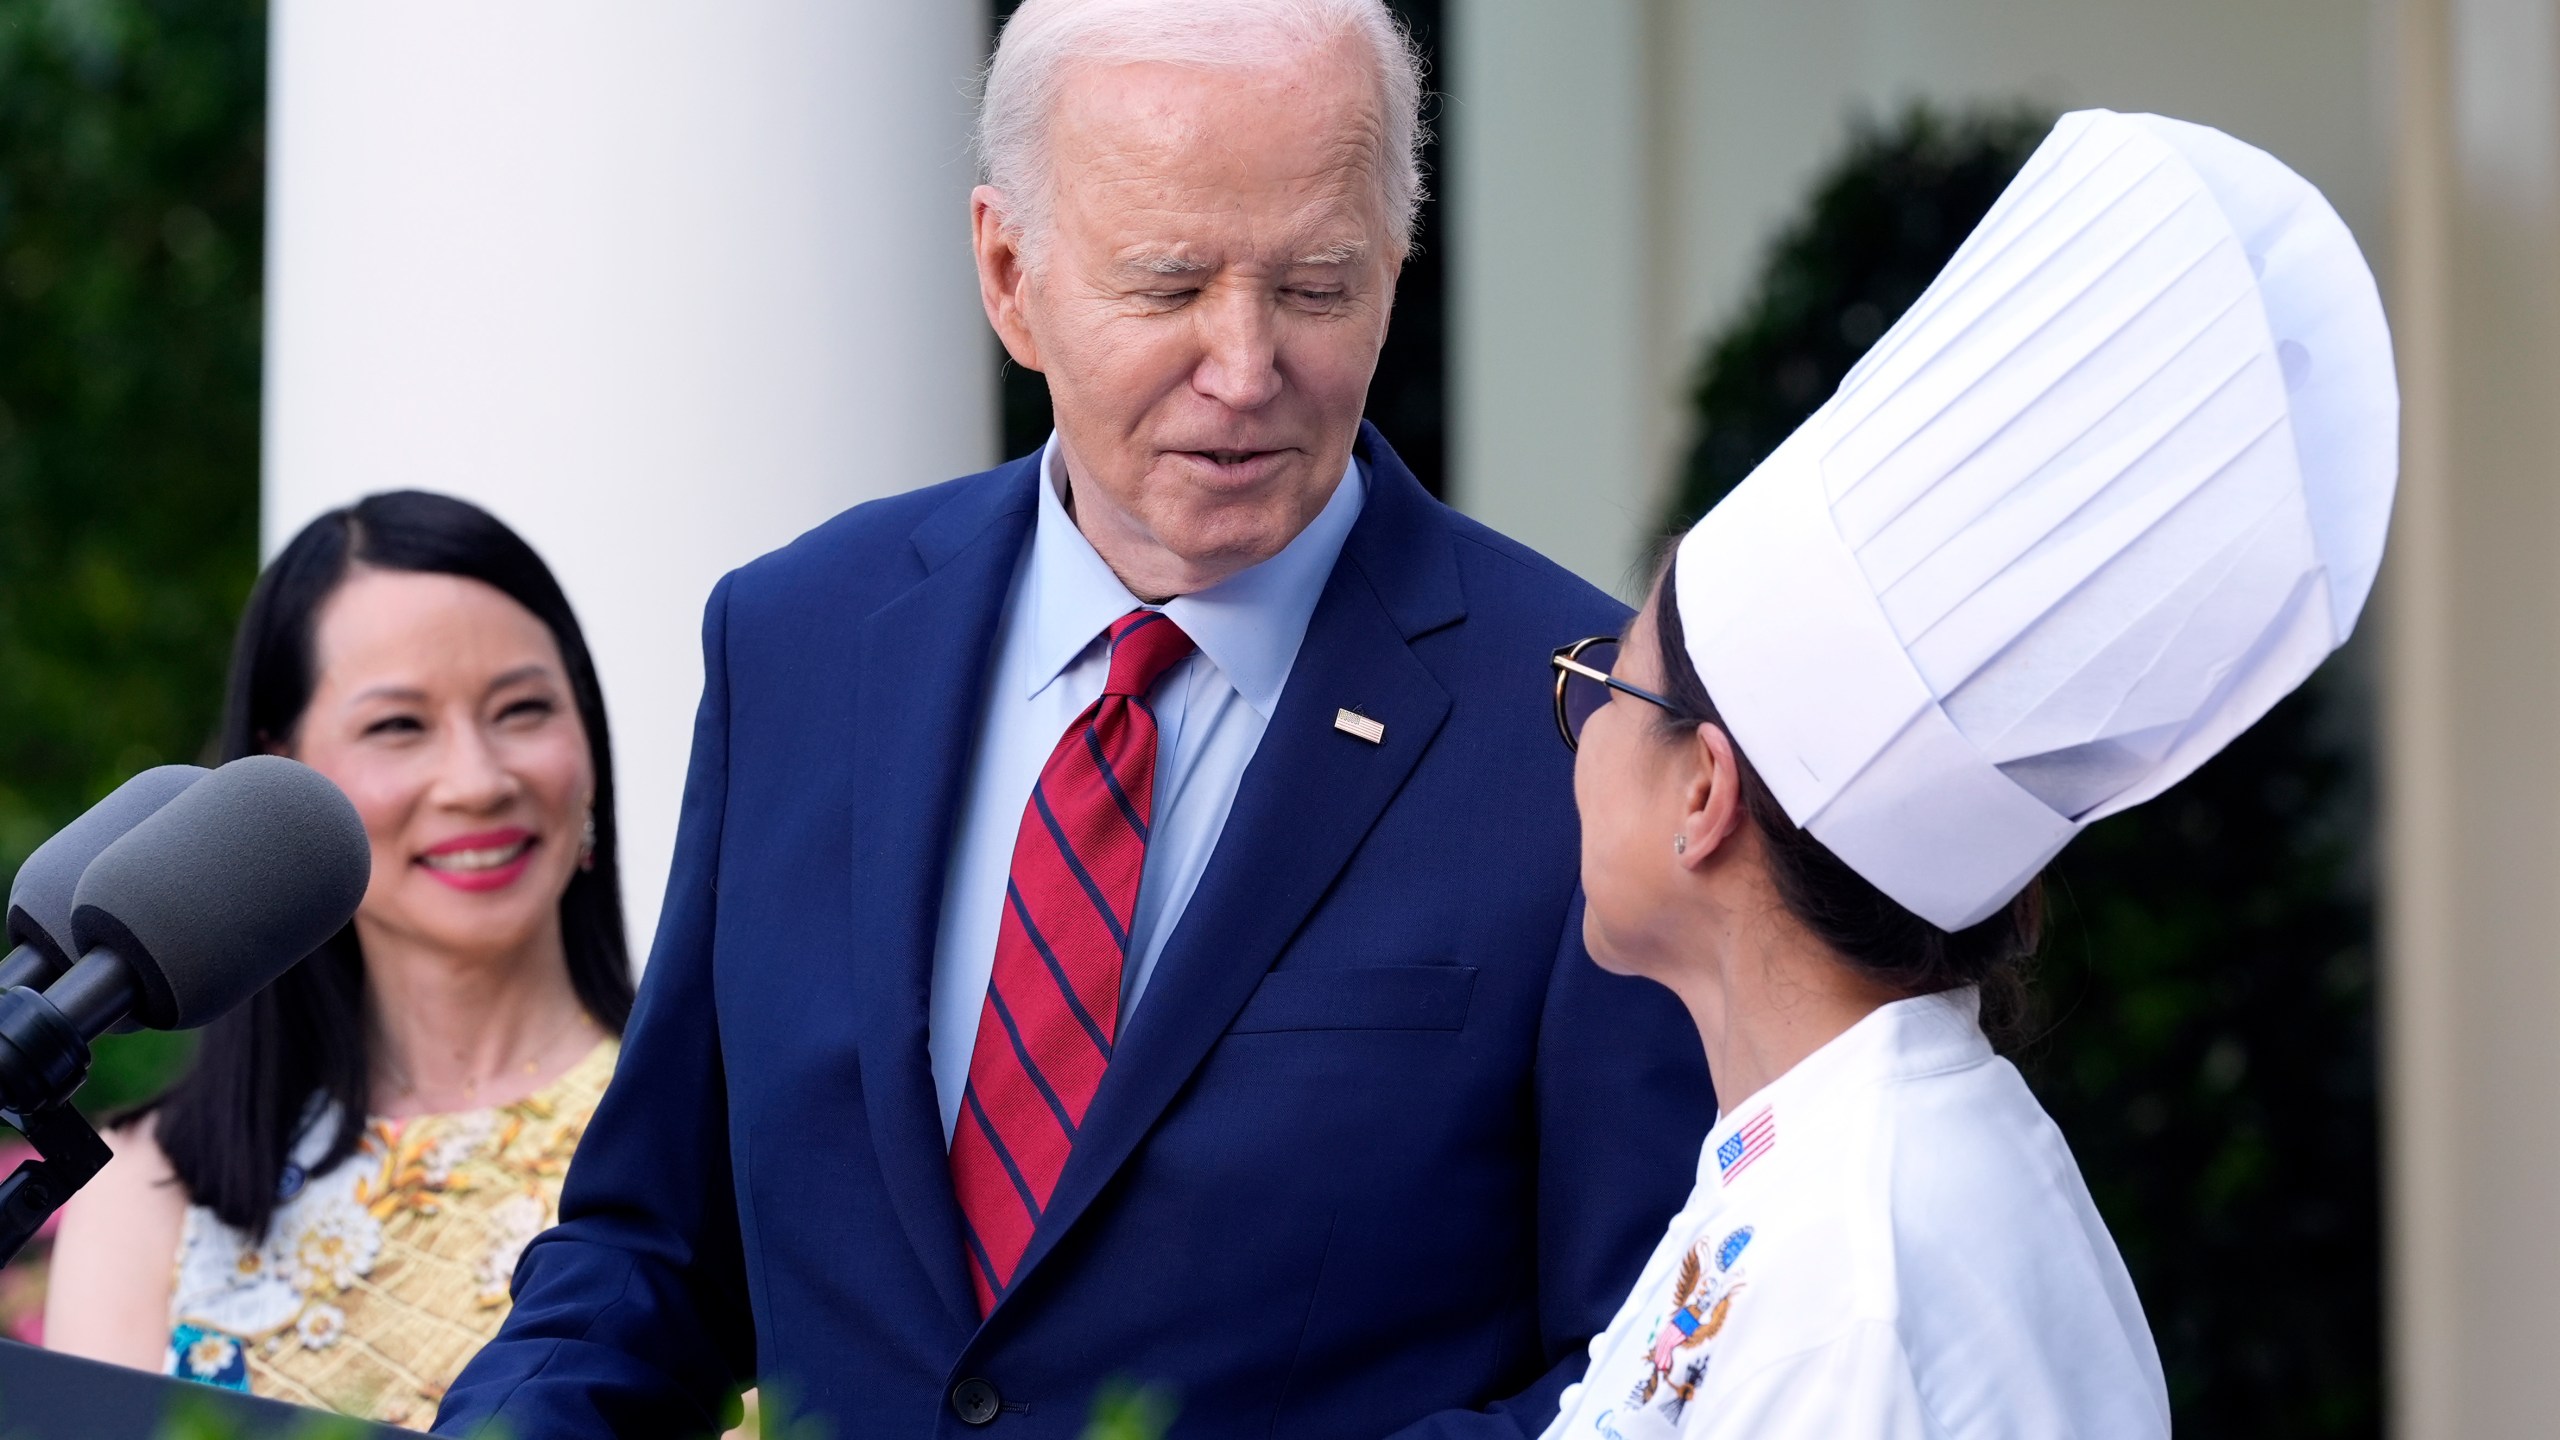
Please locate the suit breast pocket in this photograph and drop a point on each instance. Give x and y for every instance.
(1378, 997)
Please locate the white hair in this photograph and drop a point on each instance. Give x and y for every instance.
(1045, 36)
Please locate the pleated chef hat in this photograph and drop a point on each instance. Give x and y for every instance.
(2114, 486)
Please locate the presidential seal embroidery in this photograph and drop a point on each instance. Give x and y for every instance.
(1701, 1302)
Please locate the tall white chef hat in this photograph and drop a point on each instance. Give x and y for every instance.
(2114, 486)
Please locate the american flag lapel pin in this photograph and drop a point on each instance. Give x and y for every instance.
(1359, 726)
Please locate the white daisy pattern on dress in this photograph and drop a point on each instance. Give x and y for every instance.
(320, 1326)
(382, 1274)
(339, 1242)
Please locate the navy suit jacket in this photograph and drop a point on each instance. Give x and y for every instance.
(1380, 1150)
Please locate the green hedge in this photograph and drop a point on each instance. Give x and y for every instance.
(132, 177)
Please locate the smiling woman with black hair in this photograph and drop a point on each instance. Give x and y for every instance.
(416, 651)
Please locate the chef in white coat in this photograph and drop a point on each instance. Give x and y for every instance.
(2115, 485)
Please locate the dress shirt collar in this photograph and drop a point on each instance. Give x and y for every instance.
(1249, 625)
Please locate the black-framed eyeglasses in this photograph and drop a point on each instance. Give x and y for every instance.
(1583, 683)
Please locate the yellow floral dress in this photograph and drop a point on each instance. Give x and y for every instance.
(379, 1279)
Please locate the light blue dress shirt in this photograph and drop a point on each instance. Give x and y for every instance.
(1210, 713)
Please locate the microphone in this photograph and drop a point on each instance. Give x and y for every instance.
(39, 923)
(192, 911)
(186, 914)
(205, 903)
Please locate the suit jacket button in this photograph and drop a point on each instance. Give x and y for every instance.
(975, 1401)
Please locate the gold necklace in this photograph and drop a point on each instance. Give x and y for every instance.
(408, 1088)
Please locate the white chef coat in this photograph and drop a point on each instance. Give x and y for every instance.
(1889, 1240)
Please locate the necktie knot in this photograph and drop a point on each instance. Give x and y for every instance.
(1144, 645)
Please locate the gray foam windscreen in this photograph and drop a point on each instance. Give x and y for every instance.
(40, 898)
(223, 890)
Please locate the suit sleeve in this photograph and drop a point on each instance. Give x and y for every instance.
(631, 1315)
(1623, 1102)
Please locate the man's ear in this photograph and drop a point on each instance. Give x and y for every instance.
(1002, 274)
(1712, 809)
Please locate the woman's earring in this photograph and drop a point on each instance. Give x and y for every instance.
(587, 845)
(1679, 844)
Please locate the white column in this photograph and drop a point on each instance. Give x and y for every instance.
(661, 284)
(2471, 708)
(1560, 396)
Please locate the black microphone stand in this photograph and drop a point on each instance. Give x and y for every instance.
(70, 1155)
(42, 1060)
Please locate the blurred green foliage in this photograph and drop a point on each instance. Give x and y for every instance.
(767, 1413)
(2204, 1012)
(203, 1421)
(131, 188)
(1123, 1410)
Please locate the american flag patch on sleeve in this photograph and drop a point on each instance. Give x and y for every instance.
(1746, 1145)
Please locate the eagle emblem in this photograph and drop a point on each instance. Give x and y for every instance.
(1701, 1302)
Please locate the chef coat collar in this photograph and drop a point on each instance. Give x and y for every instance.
(1924, 1035)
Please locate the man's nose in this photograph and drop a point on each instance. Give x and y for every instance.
(1240, 350)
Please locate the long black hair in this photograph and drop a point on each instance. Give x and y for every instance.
(230, 1123)
(1870, 930)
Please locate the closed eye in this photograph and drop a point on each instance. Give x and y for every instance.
(532, 709)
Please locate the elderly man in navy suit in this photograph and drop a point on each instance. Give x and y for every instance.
(1124, 922)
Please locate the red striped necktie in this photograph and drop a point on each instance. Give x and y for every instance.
(1053, 1003)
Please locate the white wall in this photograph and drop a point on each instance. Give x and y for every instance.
(1620, 167)
(661, 284)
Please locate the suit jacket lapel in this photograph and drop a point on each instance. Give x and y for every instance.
(1308, 798)
(924, 675)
